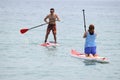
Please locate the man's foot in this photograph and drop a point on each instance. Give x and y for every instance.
(45, 41)
(55, 42)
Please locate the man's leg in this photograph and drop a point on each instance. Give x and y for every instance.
(47, 33)
(54, 34)
(55, 39)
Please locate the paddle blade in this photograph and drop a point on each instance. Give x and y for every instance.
(22, 31)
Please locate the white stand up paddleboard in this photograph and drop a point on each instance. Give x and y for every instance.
(76, 54)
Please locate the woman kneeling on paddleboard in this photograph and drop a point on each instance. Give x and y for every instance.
(90, 44)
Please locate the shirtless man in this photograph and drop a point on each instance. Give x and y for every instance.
(52, 18)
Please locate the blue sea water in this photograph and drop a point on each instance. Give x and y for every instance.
(22, 57)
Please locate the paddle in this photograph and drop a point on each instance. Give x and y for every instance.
(24, 30)
(84, 19)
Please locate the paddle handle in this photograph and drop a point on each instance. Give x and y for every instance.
(84, 19)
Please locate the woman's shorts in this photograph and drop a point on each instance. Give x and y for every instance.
(90, 50)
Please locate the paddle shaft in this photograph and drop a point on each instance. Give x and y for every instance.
(84, 19)
(37, 26)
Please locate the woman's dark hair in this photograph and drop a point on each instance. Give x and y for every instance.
(91, 29)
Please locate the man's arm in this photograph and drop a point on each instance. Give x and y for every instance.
(58, 19)
(45, 19)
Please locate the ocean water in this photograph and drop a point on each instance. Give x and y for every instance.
(22, 57)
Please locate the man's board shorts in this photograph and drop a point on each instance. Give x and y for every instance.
(51, 27)
(90, 50)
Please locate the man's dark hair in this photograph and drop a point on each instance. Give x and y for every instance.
(52, 9)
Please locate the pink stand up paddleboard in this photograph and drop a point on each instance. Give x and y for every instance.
(48, 44)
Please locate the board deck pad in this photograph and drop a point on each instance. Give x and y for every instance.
(77, 54)
(50, 43)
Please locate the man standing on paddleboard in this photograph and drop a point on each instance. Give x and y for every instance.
(90, 44)
(51, 19)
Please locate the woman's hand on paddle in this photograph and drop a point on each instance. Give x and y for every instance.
(85, 34)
